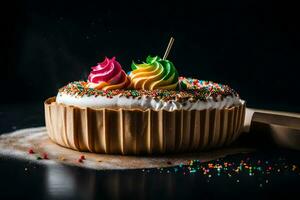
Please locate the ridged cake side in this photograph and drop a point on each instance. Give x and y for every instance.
(124, 131)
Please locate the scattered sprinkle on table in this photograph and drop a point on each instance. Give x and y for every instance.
(39, 158)
(62, 158)
(82, 157)
(45, 156)
(30, 151)
(261, 170)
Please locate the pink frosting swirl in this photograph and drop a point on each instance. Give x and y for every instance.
(108, 75)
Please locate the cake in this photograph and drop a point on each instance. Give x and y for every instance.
(149, 110)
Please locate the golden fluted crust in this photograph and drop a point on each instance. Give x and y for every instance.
(136, 132)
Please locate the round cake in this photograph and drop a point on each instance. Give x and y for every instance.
(150, 110)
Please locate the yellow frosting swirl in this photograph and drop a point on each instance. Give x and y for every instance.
(155, 73)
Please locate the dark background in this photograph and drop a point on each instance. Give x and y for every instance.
(250, 45)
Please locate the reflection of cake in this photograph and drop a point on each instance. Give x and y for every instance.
(150, 110)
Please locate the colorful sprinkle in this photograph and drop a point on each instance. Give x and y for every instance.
(30, 151)
(204, 90)
(62, 158)
(45, 156)
(82, 157)
(39, 158)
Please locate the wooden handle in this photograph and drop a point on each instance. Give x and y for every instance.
(281, 128)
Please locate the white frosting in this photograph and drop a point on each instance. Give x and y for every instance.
(144, 102)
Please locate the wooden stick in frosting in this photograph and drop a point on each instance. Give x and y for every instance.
(168, 48)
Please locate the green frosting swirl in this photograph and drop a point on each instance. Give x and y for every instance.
(155, 73)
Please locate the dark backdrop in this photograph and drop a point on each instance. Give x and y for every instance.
(250, 45)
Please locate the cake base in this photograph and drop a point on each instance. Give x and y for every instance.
(15, 145)
(133, 131)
